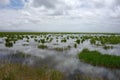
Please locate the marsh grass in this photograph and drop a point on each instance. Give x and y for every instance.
(23, 72)
(42, 46)
(93, 41)
(97, 59)
(77, 41)
(107, 47)
(75, 45)
(9, 44)
(63, 40)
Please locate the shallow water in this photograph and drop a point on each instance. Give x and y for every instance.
(65, 60)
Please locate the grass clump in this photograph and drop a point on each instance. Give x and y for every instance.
(42, 41)
(75, 45)
(92, 41)
(97, 59)
(107, 47)
(42, 46)
(9, 44)
(77, 41)
(23, 72)
(63, 40)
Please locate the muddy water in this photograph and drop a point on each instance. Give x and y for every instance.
(65, 61)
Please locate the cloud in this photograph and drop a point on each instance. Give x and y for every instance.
(45, 3)
(63, 15)
(75, 7)
(4, 2)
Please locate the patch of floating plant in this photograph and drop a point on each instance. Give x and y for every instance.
(97, 59)
(9, 44)
(42, 46)
(61, 48)
(107, 47)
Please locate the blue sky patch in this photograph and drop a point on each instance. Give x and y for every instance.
(14, 4)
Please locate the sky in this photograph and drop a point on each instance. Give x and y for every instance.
(60, 15)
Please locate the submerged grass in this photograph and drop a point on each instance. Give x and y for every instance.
(97, 59)
(20, 55)
(42, 46)
(107, 47)
(23, 72)
(62, 48)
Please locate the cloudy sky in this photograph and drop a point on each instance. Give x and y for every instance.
(60, 15)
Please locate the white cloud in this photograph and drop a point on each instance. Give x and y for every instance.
(63, 15)
(4, 2)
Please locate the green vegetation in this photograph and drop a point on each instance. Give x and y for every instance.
(23, 72)
(42, 41)
(48, 37)
(75, 45)
(69, 46)
(64, 40)
(77, 41)
(107, 47)
(42, 46)
(93, 41)
(97, 59)
(9, 44)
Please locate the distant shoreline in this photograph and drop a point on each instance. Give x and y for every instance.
(31, 32)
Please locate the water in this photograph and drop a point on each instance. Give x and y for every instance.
(65, 61)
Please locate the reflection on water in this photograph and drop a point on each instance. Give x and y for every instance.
(64, 60)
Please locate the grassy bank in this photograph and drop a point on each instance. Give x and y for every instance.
(97, 59)
(22, 72)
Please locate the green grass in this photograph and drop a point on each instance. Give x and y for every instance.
(63, 40)
(93, 41)
(23, 72)
(97, 59)
(75, 45)
(9, 44)
(107, 47)
(77, 41)
(42, 46)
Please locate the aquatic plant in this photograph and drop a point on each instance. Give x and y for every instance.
(35, 40)
(75, 45)
(93, 41)
(82, 40)
(97, 59)
(27, 40)
(9, 44)
(64, 40)
(77, 41)
(42, 41)
(51, 39)
(42, 46)
(69, 46)
(107, 47)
